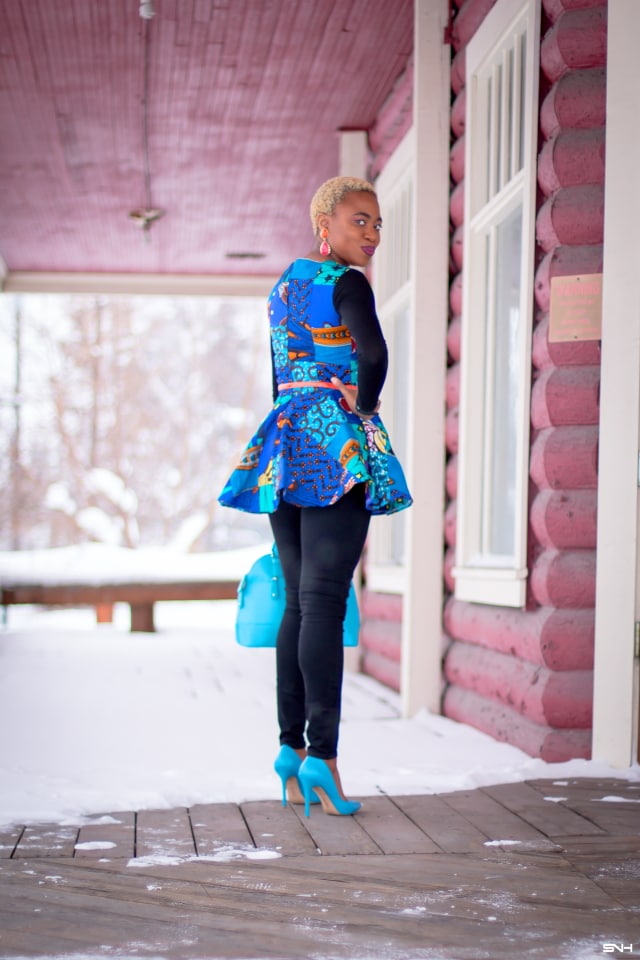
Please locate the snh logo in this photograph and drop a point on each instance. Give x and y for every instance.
(618, 948)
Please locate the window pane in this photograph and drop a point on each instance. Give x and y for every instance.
(502, 465)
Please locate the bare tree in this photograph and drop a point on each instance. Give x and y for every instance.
(133, 410)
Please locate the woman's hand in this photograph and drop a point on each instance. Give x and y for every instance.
(350, 394)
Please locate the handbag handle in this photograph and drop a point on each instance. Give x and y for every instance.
(275, 573)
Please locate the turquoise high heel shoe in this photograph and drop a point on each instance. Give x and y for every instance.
(314, 774)
(286, 765)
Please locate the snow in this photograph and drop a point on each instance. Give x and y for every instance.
(95, 563)
(98, 720)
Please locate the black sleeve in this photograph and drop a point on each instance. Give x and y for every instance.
(274, 379)
(354, 302)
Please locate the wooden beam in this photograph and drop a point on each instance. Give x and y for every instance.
(422, 617)
(615, 706)
(228, 285)
(135, 593)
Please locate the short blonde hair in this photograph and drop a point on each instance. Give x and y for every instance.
(332, 192)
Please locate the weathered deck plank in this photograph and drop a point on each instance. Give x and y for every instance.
(391, 830)
(611, 816)
(551, 818)
(495, 821)
(217, 826)
(450, 832)
(277, 828)
(9, 838)
(47, 840)
(618, 873)
(164, 833)
(461, 906)
(337, 836)
(378, 885)
(112, 836)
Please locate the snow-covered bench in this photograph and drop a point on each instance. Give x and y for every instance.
(99, 576)
(140, 596)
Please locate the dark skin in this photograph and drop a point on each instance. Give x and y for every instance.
(354, 234)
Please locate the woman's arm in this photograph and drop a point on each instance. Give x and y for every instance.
(354, 301)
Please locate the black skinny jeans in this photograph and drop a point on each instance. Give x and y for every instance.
(319, 548)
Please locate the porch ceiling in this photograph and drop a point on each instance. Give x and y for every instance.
(245, 101)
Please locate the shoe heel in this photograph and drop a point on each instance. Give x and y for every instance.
(315, 775)
(287, 765)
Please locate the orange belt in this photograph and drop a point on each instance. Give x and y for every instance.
(310, 383)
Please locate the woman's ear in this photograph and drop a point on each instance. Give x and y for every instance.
(323, 221)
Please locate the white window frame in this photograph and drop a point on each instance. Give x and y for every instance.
(393, 283)
(480, 576)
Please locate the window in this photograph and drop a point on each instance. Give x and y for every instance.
(392, 283)
(500, 172)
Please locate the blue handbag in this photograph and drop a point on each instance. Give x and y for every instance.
(261, 603)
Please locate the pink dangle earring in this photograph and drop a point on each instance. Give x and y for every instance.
(325, 247)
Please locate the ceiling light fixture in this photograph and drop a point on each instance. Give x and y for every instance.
(144, 216)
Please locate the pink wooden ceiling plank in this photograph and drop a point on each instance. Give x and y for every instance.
(243, 112)
(184, 24)
(203, 11)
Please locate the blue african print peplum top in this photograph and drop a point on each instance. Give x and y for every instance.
(311, 449)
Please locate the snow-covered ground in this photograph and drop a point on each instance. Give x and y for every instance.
(95, 719)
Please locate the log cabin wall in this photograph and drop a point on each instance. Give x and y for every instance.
(525, 676)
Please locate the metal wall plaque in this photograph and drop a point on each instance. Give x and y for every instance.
(576, 308)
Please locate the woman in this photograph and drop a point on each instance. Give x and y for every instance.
(320, 465)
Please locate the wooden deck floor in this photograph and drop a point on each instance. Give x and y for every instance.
(545, 869)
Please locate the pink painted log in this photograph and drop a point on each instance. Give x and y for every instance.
(456, 159)
(447, 568)
(452, 430)
(564, 396)
(506, 725)
(451, 477)
(564, 578)
(457, 248)
(546, 697)
(565, 458)
(381, 606)
(572, 158)
(382, 637)
(468, 19)
(456, 204)
(458, 114)
(450, 522)
(393, 122)
(577, 41)
(557, 639)
(572, 216)
(571, 353)
(568, 638)
(453, 386)
(455, 296)
(383, 670)
(566, 261)
(555, 8)
(578, 100)
(458, 71)
(565, 519)
(453, 338)
(397, 104)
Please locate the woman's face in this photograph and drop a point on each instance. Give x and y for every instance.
(354, 228)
